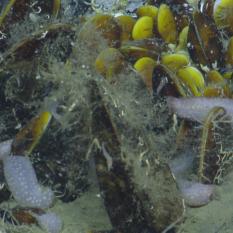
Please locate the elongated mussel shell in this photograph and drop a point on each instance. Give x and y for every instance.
(29, 48)
(132, 206)
(120, 199)
(204, 41)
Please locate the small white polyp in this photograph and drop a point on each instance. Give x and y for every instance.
(23, 184)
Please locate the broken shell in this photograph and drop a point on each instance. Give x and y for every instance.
(143, 28)
(25, 216)
(166, 24)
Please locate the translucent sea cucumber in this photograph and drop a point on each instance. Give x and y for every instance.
(23, 184)
(50, 222)
(197, 108)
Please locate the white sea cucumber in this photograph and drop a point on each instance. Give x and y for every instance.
(23, 184)
(49, 222)
(197, 108)
(195, 194)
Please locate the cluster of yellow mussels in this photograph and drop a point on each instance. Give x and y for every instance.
(176, 49)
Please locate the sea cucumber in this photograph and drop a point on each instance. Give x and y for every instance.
(195, 194)
(49, 222)
(197, 108)
(23, 184)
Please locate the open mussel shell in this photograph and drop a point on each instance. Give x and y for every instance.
(109, 63)
(14, 11)
(126, 23)
(204, 41)
(152, 47)
(25, 215)
(206, 7)
(29, 136)
(104, 25)
(29, 48)
(20, 215)
(144, 67)
(166, 83)
(175, 61)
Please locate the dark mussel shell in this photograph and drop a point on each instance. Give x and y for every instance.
(165, 83)
(204, 41)
(206, 7)
(180, 8)
(128, 202)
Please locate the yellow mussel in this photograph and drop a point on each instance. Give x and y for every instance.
(109, 62)
(193, 79)
(166, 24)
(223, 14)
(29, 136)
(182, 41)
(145, 67)
(143, 28)
(148, 10)
(126, 23)
(105, 25)
(215, 77)
(175, 61)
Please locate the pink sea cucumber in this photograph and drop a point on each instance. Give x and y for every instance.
(197, 108)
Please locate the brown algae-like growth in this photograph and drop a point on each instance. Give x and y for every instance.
(116, 122)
